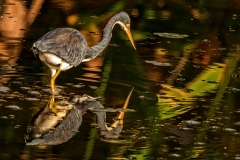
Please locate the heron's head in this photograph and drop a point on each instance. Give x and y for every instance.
(123, 19)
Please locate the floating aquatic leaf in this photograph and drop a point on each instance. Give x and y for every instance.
(141, 97)
(48, 90)
(192, 122)
(113, 45)
(93, 87)
(32, 99)
(158, 63)
(16, 82)
(4, 117)
(185, 128)
(69, 84)
(3, 100)
(178, 148)
(237, 123)
(143, 138)
(7, 68)
(142, 128)
(215, 127)
(171, 35)
(175, 155)
(175, 72)
(94, 125)
(4, 89)
(180, 79)
(200, 143)
(206, 40)
(17, 126)
(11, 116)
(36, 93)
(36, 87)
(236, 157)
(25, 88)
(222, 49)
(233, 89)
(230, 129)
(13, 107)
(78, 85)
(94, 16)
(200, 50)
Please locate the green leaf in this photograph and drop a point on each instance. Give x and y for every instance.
(208, 80)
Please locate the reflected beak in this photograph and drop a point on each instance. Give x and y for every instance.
(128, 32)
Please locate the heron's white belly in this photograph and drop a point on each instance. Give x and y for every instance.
(54, 62)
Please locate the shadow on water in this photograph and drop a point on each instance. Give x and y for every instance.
(185, 75)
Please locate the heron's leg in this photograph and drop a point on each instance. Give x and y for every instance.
(51, 105)
(52, 81)
(51, 101)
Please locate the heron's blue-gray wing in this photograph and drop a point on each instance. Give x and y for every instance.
(67, 43)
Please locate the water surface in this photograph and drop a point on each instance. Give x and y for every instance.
(185, 73)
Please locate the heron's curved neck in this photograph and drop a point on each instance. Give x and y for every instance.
(106, 37)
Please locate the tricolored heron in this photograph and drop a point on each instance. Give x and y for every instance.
(63, 48)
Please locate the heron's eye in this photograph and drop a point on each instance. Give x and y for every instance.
(128, 25)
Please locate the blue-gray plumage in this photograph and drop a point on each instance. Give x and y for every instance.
(67, 43)
(63, 48)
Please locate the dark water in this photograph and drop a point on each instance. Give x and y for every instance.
(185, 73)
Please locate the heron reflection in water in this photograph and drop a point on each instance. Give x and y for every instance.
(59, 121)
(63, 48)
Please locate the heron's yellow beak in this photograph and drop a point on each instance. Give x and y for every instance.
(128, 32)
